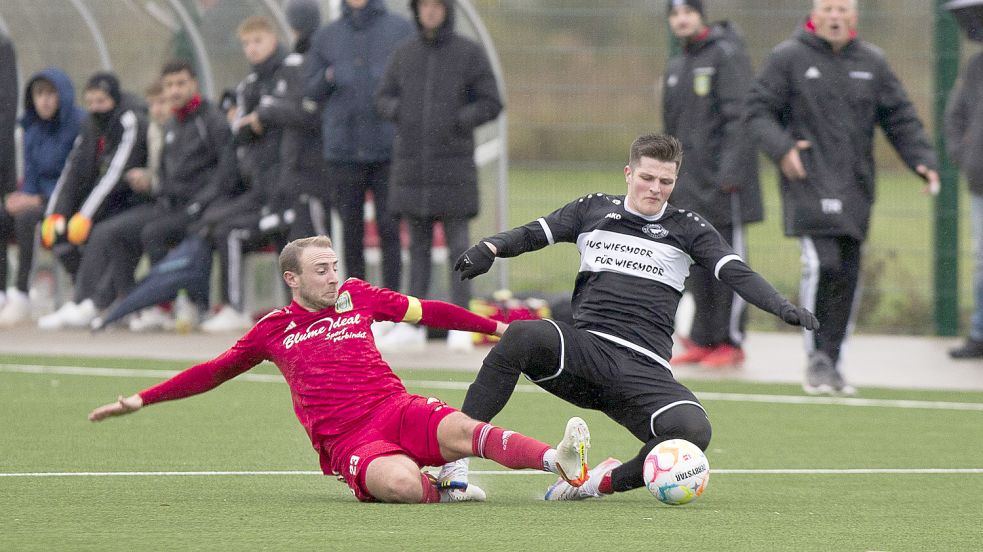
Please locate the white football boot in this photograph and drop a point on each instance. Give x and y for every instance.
(571, 453)
(56, 320)
(561, 490)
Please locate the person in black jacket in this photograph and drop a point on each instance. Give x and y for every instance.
(267, 104)
(964, 142)
(197, 168)
(813, 110)
(703, 105)
(437, 89)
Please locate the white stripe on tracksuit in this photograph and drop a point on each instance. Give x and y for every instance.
(65, 171)
(738, 304)
(109, 180)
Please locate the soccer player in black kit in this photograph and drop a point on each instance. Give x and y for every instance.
(635, 254)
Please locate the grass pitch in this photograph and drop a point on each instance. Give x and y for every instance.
(777, 479)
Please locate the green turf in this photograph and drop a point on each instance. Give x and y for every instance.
(245, 426)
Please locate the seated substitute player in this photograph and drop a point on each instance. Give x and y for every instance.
(365, 426)
(635, 252)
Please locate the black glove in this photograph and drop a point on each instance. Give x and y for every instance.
(799, 316)
(474, 261)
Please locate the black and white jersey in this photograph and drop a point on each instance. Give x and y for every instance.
(632, 267)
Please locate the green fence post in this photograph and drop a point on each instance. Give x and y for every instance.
(946, 254)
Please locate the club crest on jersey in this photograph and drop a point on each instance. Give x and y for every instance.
(656, 231)
(344, 303)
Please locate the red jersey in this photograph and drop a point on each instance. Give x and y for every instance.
(336, 375)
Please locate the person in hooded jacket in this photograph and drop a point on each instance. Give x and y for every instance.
(51, 123)
(92, 186)
(343, 69)
(813, 110)
(438, 87)
(197, 168)
(703, 105)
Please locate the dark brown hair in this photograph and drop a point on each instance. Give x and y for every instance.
(661, 147)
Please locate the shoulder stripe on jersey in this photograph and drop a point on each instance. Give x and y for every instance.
(633, 347)
(414, 310)
(546, 228)
(722, 262)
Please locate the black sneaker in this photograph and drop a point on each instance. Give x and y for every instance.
(970, 349)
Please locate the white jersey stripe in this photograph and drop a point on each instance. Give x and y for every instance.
(722, 262)
(112, 177)
(633, 347)
(546, 229)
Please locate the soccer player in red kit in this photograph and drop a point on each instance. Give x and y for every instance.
(364, 425)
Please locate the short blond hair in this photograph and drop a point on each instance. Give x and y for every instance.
(256, 23)
(290, 256)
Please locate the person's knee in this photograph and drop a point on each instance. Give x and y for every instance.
(402, 486)
(685, 421)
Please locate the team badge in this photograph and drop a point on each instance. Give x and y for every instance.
(701, 84)
(344, 303)
(656, 231)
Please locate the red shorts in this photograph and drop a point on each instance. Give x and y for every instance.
(408, 425)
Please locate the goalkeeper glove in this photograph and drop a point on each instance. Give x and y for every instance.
(52, 227)
(799, 316)
(475, 261)
(78, 229)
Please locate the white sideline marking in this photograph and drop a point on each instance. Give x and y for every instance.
(521, 388)
(857, 471)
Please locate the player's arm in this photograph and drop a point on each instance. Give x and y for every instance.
(757, 291)
(448, 316)
(559, 226)
(197, 379)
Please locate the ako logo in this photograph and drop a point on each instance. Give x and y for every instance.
(344, 303)
(656, 231)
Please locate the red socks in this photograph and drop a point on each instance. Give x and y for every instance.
(430, 493)
(605, 485)
(508, 448)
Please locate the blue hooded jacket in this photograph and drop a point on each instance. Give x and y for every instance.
(47, 144)
(357, 47)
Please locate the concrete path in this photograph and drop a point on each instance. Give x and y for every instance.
(870, 361)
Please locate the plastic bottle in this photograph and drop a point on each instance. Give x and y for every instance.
(185, 313)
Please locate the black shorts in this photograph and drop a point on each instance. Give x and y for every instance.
(631, 388)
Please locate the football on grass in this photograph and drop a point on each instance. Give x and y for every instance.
(676, 472)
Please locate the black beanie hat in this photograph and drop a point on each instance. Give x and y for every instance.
(695, 4)
(304, 16)
(107, 82)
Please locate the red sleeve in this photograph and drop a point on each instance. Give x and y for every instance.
(438, 314)
(207, 375)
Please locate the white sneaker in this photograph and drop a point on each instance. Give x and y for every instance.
(460, 342)
(403, 338)
(470, 493)
(17, 309)
(227, 320)
(152, 319)
(571, 453)
(56, 320)
(82, 316)
(456, 471)
(561, 490)
(382, 327)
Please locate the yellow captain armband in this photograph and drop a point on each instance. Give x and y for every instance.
(414, 310)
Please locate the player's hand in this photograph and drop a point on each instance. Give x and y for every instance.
(120, 407)
(79, 227)
(932, 182)
(799, 316)
(475, 261)
(791, 163)
(52, 227)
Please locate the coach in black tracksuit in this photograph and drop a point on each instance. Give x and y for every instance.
(813, 109)
(703, 105)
